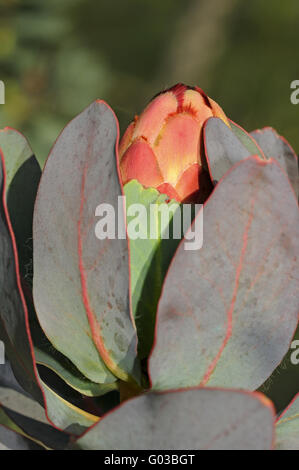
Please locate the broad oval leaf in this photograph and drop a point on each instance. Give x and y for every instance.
(223, 149)
(81, 284)
(15, 331)
(275, 146)
(228, 311)
(202, 419)
(287, 427)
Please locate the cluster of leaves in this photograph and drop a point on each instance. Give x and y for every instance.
(100, 321)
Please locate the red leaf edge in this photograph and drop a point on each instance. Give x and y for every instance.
(228, 334)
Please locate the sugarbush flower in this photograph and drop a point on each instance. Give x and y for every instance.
(162, 148)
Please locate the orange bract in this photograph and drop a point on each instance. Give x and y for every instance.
(162, 147)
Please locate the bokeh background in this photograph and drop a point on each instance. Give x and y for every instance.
(57, 56)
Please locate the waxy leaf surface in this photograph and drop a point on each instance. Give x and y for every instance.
(81, 283)
(275, 146)
(187, 419)
(228, 311)
(14, 321)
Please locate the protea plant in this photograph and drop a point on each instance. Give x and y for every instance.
(163, 148)
(135, 342)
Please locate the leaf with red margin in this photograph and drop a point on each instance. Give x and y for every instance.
(287, 427)
(22, 177)
(81, 284)
(223, 149)
(276, 146)
(14, 326)
(202, 419)
(228, 311)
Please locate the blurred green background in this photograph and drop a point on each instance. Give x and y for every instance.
(57, 56)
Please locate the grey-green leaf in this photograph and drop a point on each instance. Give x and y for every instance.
(228, 311)
(15, 331)
(201, 419)
(81, 283)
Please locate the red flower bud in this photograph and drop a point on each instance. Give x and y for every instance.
(162, 148)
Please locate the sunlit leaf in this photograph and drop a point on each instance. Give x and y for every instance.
(81, 283)
(14, 324)
(228, 311)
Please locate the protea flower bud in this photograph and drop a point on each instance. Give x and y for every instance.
(163, 149)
